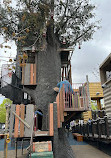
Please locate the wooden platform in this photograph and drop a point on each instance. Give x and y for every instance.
(74, 109)
(78, 136)
(41, 133)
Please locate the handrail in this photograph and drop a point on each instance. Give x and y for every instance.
(74, 101)
(97, 129)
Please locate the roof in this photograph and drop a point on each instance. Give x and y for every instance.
(106, 62)
(95, 90)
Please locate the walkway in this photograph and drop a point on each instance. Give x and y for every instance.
(84, 150)
(11, 150)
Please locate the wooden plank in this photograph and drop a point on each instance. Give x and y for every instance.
(31, 74)
(51, 125)
(63, 97)
(61, 105)
(26, 124)
(58, 111)
(21, 123)
(11, 119)
(34, 73)
(27, 74)
(16, 121)
(23, 74)
(29, 120)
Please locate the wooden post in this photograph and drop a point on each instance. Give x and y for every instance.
(51, 125)
(98, 104)
(88, 94)
(58, 110)
(31, 74)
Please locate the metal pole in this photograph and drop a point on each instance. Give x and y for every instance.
(6, 130)
(22, 145)
(15, 147)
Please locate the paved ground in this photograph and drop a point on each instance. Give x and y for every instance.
(11, 154)
(88, 151)
(84, 150)
(80, 149)
(11, 151)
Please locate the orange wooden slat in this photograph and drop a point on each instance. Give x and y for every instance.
(51, 120)
(21, 124)
(58, 111)
(16, 121)
(31, 74)
(34, 73)
(63, 97)
(61, 105)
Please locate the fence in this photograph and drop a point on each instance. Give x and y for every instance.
(98, 129)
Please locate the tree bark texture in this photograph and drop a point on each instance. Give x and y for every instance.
(48, 75)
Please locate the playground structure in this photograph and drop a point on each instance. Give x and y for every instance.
(99, 129)
(24, 122)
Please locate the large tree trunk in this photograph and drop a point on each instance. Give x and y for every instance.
(48, 75)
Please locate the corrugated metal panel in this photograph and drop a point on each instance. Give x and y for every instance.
(107, 101)
(107, 98)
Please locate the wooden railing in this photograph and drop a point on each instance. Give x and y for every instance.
(23, 124)
(72, 101)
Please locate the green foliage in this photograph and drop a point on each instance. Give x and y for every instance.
(3, 110)
(73, 21)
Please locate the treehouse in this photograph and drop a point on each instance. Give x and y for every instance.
(66, 55)
(29, 66)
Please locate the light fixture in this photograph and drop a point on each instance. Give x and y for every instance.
(97, 93)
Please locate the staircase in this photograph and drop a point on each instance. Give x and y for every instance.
(42, 149)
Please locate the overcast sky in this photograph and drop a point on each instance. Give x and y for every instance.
(86, 61)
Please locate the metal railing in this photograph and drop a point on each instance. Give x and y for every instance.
(97, 129)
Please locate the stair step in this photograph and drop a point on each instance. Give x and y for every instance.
(42, 155)
(42, 146)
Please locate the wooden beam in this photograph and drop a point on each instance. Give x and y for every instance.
(61, 105)
(31, 74)
(51, 125)
(34, 73)
(17, 121)
(58, 110)
(21, 119)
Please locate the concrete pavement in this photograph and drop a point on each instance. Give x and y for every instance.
(84, 150)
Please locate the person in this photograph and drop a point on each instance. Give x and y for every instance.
(68, 91)
(67, 129)
(89, 122)
(67, 86)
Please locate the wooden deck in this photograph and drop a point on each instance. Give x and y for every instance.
(75, 109)
(41, 133)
